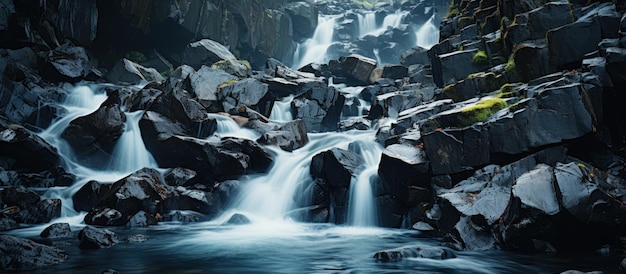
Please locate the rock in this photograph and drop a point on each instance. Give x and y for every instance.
(88, 195)
(473, 237)
(138, 238)
(238, 219)
(457, 65)
(93, 137)
(57, 230)
(105, 216)
(531, 61)
(109, 271)
(355, 123)
(396, 255)
(395, 71)
(94, 238)
(319, 106)
(233, 67)
(142, 219)
(569, 55)
(22, 254)
(142, 190)
(128, 72)
(247, 92)
(195, 200)
(23, 146)
(423, 227)
(25, 206)
(357, 67)
(404, 172)
(19, 196)
(536, 189)
(299, 130)
(453, 150)
(304, 18)
(26, 103)
(336, 166)
(66, 63)
(415, 56)
(285, 140)
(205, 52)
(179, 176)
(205, 82)
(183, 216)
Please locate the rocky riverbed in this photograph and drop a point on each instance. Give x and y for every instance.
(122, 122)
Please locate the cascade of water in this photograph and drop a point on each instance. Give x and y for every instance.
(392, 20)
(227, 127)
(130, 153)
(281, 111)
(362, 205)
(379, 62)
(271, 195)
(367, 23)
(428, 34)
(314, 50)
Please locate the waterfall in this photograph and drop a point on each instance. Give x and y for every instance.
(362, 205)
(314, 50)
(428, 34)
(227, 127)
(367, 23)
(281, 111)
(130, 153)
(392, 20)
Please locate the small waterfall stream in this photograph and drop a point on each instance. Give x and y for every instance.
(314, 50)
(428, 34)
(130, 153)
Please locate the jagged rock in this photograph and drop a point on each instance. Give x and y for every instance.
(23, 254)
(396, 255)
(233, 67)
(21, 145)
(283, 139)
(319, 106)
(357, 67)
(142, 219)
(453, 150)
(88, 195)
(336, 167)
(19, 196)
(457, 65)
(57, 230)
(93, 238)
(205, 52)
(569, 44)
(408, 117)
(404, 172)
(358, 123)
(193, 199)
(8, 224)
(415, 56)
(395, 71)
(247, 92)
(536, 189)
(179, 176)
(66, 63)
(128, 72)
(531, 61)
(26, 103)
(205, 82)
(95, 135)
(142, 190)
(42, 212)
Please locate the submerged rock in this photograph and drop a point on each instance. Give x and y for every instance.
(396, 255)
(93, 238)
(57, 230)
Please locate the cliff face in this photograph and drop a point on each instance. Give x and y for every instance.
(252, 29)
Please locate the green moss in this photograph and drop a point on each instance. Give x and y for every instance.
(229, 82)
(480, 58)
(510, 65)
(368, 4)
(453, 10)
(246, 63)
(464, 21)
(506, 88)
(482, 109)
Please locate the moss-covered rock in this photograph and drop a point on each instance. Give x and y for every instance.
(484, 108)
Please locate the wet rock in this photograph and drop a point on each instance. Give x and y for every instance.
(8, 224)
(238, 219)
(66, 63)
(105, 217)
(415, 56)
(248, 92)
(128, 72)
(285, 140)
(358, 68)
(205, 52)
(422, 226)
(453, 150)
(404, 172)
(19, 196)
(88, 195)
(336, 166)
(142, 219)
(396, 255)
(193, 199)
(395, 71)
(205, 82)
(22, 254)
(567, 46)
(109, 271)
(57, 230)
(457, 65)
(473, 237)
(142, 190)
(183, 216)
(319, 106)
(94, 238)
(94, 136)
(138, 238)
(179, 176)
(20, 144)
(355, 123)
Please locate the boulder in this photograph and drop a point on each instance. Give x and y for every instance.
(179, 176)
(142, 219)
(395, 71)
(128, 72)
(26, 103)
(57, 230)
(457, 65)
(88, 195)
(185, 216)
(66, 63)
(319, 106)
(205, 52)
(240, 69)
(285, 140)
(404, 173)
(336, 166)
(195, 200)
(453, 150)
(569, 44)
(358, 68)
(415, 56)
(396, 255)
(205, 82)
(8, 224)
(94, 238)
(247, 92)
(143, 190)
(22, 254)
(304, 18)
(23, 146)
(94, 136)
(238, 219)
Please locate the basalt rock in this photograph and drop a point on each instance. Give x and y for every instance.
(319, 106)
(23, 146)
(22, 254)
(88, 196)
(205, 52)
(396, 255)
(94, 238)
(404, 173)
(304, 18)
(57, 230)
(248, 92)
(65, 63)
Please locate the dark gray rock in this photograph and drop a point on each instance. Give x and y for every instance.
(336, 166)
(183, 216)
(66, 63)
(88, 195)
(319, 106)
(8, 224)
(94, 238)
(404, 172)
(304, 18)
(582, 38)
(179, 176)
(137, 238)
(247, 92)
(535, 189)
(285, 140)
(357, 123)
(57, 230)
(23, 146)
(396, 255)
(395, 71)
(205, 52)
(238, 219)
(234, 67)
(205, 82)
(128, 72)
(415, 56)
(93, 137)
(453, 150)
(142, 219)
(358, 68)
(22, 254)
(195, 200)
(457, 65)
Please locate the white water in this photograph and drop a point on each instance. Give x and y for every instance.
(367, 23)
(392, 20)
(314, 50)
(428, 34)
(227, 127)
(130, 153)
(362, 207)
(281, 111)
